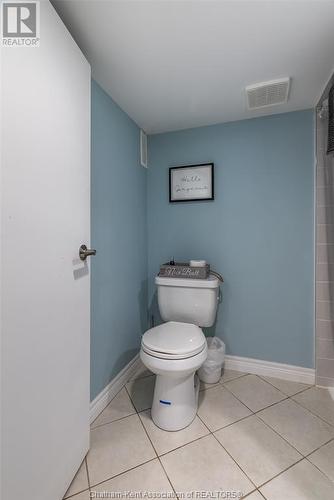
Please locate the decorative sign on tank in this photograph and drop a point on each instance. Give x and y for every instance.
(191, 183)
(193, 270)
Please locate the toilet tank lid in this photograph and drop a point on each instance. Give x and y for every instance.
(210, 282)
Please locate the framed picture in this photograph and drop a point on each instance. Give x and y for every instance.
(191, 183)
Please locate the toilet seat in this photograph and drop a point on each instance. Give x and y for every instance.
(173, 340)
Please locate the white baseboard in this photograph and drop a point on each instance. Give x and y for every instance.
(270, 369)
(109, 392)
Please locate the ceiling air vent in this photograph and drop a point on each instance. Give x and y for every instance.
(261, 95)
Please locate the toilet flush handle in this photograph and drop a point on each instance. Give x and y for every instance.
(85, 252)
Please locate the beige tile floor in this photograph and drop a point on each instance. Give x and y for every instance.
(256, 437)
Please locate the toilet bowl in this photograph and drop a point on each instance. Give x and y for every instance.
(177, 348)
(174, 351)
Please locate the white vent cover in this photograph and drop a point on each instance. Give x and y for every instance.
(143, 149)
(261, 95)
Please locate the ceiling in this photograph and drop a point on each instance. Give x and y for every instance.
(173, 64)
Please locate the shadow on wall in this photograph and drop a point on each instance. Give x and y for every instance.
(154, 317)
(123, 360)
(212, 331)
(142, 304)
(129, 354)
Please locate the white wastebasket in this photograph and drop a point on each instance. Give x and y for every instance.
(210, 371)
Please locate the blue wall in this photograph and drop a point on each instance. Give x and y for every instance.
(119, 233)
(258, 232)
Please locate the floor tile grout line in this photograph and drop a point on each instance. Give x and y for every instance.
(84, 462)
(252, 411)
(319, 447)
(112, 399)
(200, 418)
(182, 445)
(280, 473)
(121, 473)
(242, 374)
(258, 376)
(185, 444)
(128, 393)
(251, 493)
(303, 458)
(220, 383)
(228, 425)
(282, 437)
(87, 471)
(212, 434)
(72, 497)
(168, 478)
(312, 412)
(288, 442)
(264, 408)
(316, 466)
(285, 380)
(239, 466)
(267, 425)
(112, 421)
(224, 426)
(213, 386)
(158, 457)
(150, 440)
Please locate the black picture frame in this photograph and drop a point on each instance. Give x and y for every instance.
(192, 167)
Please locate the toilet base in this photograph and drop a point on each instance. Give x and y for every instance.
(175, 401)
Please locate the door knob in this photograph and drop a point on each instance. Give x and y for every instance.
(84, 252)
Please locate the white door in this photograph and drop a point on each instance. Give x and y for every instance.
(45, 299)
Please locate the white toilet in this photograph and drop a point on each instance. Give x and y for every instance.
(176, 349)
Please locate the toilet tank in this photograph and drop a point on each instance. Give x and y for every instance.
(188, 300)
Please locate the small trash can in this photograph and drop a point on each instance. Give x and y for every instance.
(210, 371)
